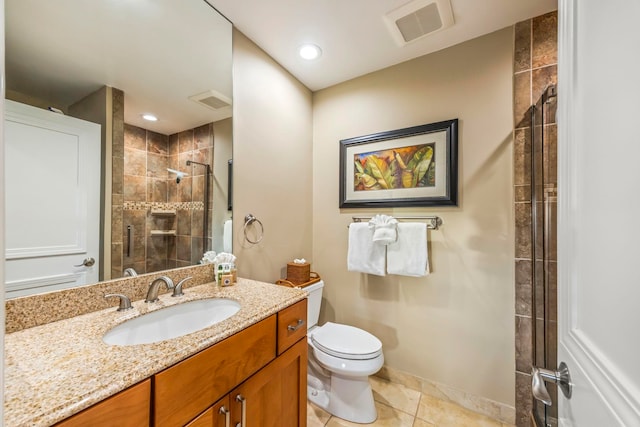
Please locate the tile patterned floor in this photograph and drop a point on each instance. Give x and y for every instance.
(399, 406)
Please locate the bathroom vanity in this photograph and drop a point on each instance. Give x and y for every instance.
(248, 369)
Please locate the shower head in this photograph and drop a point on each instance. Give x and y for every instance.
(179, 174)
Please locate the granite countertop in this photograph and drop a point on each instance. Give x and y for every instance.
(55, 370)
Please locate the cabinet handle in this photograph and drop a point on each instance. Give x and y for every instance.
(227, 415)
(296, 326)
(240, 398)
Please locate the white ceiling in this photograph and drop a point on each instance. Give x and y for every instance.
(159, 52)
(353, 35)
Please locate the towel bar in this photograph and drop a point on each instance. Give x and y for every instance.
(433, 222)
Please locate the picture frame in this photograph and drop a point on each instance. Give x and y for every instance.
(415, 166)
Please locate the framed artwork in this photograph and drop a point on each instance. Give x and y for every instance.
(416, 166)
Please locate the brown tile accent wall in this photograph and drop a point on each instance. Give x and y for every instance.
(535, 67)
(117, 181)
(146, 185)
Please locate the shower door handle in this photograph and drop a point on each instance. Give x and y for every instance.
(88, 262)
(561, 377)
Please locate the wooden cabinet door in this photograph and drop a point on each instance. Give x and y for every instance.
(129, 408)
(215, 416)
(276, 396)
(188, 388)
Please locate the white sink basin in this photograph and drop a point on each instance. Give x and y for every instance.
(172, 322)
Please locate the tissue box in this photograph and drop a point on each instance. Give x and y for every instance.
(298, 273)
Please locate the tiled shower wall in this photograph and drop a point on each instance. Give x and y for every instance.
(535, 67)
(117, 181)
(148, 188)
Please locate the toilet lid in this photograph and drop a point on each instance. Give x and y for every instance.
(346, 342)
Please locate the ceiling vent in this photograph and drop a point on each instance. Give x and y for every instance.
(419, 18)
(211, 99)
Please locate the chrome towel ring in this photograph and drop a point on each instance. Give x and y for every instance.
(248, 220)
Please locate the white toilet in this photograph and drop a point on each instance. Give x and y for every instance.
(341, 358)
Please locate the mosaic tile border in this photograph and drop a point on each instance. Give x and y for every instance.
(145, 206)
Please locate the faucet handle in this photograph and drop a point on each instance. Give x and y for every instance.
(125, 302)
(177, 290)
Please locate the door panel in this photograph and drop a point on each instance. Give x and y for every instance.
(276, 395)
(52, 196)
(598, 211)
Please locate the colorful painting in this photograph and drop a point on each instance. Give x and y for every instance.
(415, 166)
(402, 167)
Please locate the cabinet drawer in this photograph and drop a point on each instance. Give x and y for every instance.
(130, 407)
(292, 325)
(185, 390)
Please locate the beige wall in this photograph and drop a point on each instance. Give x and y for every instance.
(272, 131)
(454, 326)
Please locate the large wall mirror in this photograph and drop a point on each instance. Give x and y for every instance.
(163, 192)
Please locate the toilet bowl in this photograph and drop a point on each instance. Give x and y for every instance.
(341, 358)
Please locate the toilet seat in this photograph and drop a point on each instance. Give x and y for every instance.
(346, 342)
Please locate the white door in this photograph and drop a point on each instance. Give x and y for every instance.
(52, 200)
(599, 211)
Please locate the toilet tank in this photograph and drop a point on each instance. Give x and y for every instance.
(313, 303)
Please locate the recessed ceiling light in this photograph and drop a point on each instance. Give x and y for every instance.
(309, 51)
(150, 117)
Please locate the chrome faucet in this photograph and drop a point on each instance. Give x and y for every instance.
(152, 293)
(177, 290)
(129, 272)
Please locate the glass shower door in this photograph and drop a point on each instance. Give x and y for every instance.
(544, 238)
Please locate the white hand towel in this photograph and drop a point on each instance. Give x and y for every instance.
(364, 255)
(408, 256)
(227, 236)
(384, 229)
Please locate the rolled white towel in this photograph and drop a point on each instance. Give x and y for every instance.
(227, 235)
(384, 229)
